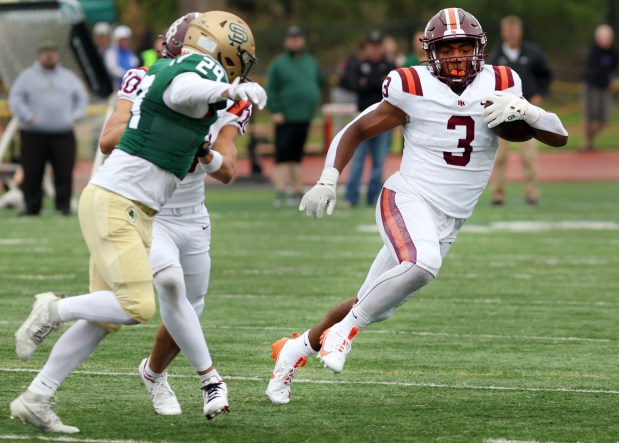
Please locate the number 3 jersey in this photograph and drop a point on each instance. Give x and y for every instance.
(449, 150)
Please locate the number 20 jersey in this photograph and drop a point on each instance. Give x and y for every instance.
(449, 150)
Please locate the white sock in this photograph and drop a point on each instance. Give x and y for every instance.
(299, 347)
(100, 306)
(71, 349)
(43, 385)
(204, 378)
(149, 373)
(356, 318)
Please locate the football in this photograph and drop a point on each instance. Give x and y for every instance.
(516, 131)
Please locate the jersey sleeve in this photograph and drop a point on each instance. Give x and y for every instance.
(400, 84)
(235, 114)
(131, 82)
(508, 80)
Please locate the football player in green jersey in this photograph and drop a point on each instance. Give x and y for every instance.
(176, 104)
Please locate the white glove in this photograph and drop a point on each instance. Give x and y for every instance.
(321, 195)
(508, 107)
(250, 91)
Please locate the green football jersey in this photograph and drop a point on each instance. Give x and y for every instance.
(161, 135)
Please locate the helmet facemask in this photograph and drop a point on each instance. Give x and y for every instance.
(454, 25)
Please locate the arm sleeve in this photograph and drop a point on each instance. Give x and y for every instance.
(130, 83)
(189, 89)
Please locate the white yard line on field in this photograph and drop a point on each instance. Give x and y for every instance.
(351, 382)
(385, 331)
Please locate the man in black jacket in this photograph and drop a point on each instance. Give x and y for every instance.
(600, 71)
(366, 79)
(529, 62)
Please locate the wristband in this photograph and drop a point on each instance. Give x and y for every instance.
(329, 176)
(215, 163)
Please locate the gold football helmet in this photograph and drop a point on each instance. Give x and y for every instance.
(226, 38)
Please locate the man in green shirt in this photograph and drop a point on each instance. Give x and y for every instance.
(293, 87)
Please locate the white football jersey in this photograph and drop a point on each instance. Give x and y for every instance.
(190, 191)
(449, 150)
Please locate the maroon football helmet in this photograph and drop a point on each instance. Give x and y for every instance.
(448, 25)
(173, 39)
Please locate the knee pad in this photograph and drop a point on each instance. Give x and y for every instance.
(169, 283)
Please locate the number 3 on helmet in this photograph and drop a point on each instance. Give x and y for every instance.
(226, 38)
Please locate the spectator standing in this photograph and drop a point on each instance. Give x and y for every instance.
(418, 55)
(343, 92)
(391, 51)
(530, 63)
(294, 81)
(101, 37)
(600, 71)
(47, 99)
(119, 58)
(366, 80)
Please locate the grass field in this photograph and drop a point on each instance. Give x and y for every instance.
(516, 340)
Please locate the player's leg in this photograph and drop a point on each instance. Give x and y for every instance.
(292, 353)
(196, 262)
(498, 173)
(35, 405)
(409, 229)
(163, 255)
(118, 246)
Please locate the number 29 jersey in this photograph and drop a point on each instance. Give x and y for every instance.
(449, 150)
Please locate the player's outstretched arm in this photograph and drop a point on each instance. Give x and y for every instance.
(373, 121)
(220, 162)
(115, 125)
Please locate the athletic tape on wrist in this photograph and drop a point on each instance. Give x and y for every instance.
(215, 163)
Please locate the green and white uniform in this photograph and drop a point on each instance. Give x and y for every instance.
(173, 111)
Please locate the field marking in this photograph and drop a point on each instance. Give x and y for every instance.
(522, 226)
(349, 382)
(68, 439)
(385, 331)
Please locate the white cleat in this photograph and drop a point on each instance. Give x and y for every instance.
(215, 394)
(280, 383)
(162, 395)
(37, 326)
(335, 347)
(38, 411)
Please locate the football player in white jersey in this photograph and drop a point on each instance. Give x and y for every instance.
(179, 253)
(449, 150)
(176, 103)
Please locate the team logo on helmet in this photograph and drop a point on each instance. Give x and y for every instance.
(238, 36)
